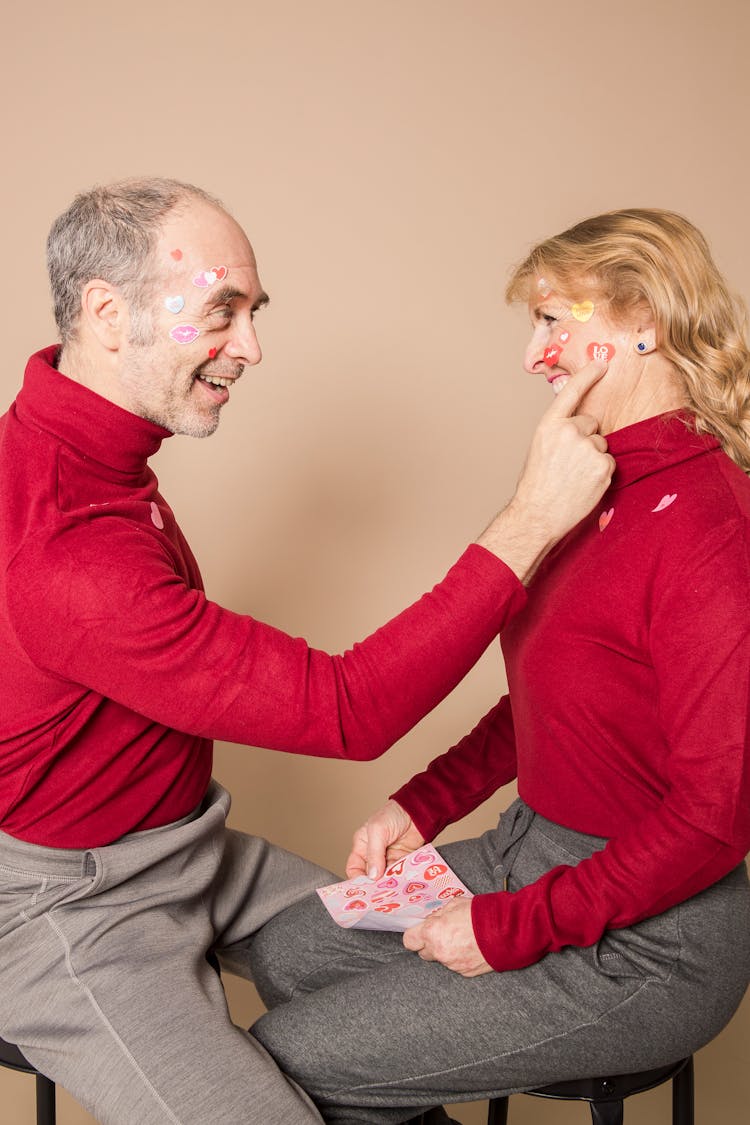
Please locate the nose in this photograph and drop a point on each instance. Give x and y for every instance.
(243, 344)
(533, 360)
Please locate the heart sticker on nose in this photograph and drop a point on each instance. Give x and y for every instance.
(174, 304)
(583, 310)
(551, 355)
(605, 518)
(602, 352)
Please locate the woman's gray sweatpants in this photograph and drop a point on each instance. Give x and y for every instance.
(374, 1033)
(104, 982)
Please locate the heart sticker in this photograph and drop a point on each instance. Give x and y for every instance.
(389, 906)
(551, 355)
(387, 884)
(212, 353)
(450, 892)
(583, 310)
(601, 352)
(174, 304)
(422, 857)
(435, 870)
(184, 334)
(355, 892)
(412, 887)
(665, 502)
(564, 337)
(395, 868)
(356, 904)
(209, 276)
(544, 287)
(156, 516)
(176, 254)
(605, 518)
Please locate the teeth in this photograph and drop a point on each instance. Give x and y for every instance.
(216, 381)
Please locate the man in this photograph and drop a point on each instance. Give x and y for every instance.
(120, 876)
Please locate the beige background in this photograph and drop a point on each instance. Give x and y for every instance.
(389, 161)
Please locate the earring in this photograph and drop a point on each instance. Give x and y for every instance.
(641, 347)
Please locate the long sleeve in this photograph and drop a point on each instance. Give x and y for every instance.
(101, 605)
(699, 829)
(466, 775)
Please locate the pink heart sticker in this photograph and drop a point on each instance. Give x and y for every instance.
(665, 502)
(412, 887)
(422, 857)
(156, 516)
(605, 518)
(388, 883)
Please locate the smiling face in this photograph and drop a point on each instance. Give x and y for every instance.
(568, 334)
(203, 332)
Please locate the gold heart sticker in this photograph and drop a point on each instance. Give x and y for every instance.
(583, 310)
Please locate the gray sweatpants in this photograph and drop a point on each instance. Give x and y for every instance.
(373, 1033)
(104, 982)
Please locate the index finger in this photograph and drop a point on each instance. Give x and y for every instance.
(569, 398)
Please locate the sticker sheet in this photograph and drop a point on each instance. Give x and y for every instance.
(410, 889)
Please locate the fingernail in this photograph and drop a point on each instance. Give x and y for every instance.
(373, 873)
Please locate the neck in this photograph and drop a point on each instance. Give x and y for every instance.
(656, 391)
(96, 372)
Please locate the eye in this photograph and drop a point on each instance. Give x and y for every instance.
(223, 311)
(549, 319)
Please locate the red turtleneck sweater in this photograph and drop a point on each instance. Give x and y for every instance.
(116, 671)
(629, 677)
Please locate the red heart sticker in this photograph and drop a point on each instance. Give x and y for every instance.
(451, 892)
(212, 353)
(412, 887)
(395, 868)
(605, 518)
(601, 352)
(356, 904)
(552, 354)
(389, 906)
(435, 870)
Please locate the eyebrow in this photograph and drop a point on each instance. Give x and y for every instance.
(230, 292)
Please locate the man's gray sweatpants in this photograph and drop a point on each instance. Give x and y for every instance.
(104, 982)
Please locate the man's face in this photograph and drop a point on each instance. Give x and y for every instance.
(207, 292)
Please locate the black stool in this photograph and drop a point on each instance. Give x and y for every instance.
(606, 1095)
(10, 1056)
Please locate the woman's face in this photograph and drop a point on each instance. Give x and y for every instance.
(568, 334)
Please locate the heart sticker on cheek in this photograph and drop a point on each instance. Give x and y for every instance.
(551, 355)
(564, 337)
(184, 334)
(582, 310)
(601, 352)
(174, 304)
(212, 353)
(176, 254)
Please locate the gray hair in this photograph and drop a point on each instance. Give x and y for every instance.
(110, 232)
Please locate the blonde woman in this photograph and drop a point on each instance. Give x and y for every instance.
(610, 928)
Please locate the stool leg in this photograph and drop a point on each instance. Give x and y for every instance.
(45, 1101)
(606, 1113)
(498, 1112)
(683, 1105)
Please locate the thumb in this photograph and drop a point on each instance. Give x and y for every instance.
(569, 398)
(377, 844)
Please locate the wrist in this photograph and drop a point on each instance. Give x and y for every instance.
(520, 538)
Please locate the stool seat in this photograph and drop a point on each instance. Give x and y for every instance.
(606, 1095)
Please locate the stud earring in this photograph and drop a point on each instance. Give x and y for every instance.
(641, 347)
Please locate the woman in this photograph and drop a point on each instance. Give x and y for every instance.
(610, 928)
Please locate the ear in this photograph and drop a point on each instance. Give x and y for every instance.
(105, 313)
(645, 336)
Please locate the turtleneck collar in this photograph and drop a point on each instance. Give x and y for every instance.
(654, 444)
(82, 419)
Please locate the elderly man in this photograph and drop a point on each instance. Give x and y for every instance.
(118, 874)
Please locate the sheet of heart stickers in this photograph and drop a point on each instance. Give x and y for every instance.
(410, 889)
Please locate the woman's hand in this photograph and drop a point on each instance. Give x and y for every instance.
(447, 935)
(384, 838)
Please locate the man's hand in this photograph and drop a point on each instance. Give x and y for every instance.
(387, 835)
(567, 471)
(447, 936)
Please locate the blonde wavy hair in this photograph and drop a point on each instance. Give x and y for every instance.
(652, 259)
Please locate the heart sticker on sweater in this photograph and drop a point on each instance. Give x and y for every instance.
(665, 502)
(156, 516)
(605, 518)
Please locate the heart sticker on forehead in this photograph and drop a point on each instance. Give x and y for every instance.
(582, 310)
(209, 276)
(174, 304)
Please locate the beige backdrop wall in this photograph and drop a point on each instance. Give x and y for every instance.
(389, 161)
